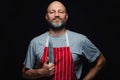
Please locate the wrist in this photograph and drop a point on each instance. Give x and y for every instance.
(40, 72)
(86, 78)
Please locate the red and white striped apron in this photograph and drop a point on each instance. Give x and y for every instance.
(64, 67)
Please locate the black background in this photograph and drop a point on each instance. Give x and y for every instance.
(21, 20)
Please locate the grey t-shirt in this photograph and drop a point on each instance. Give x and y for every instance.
(80, 46)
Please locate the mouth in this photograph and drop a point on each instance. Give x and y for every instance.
(57, 20)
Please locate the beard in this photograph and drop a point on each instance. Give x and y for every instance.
(57, 26)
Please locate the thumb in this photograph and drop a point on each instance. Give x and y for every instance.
(47, 60)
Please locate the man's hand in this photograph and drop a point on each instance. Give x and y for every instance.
(47, 69)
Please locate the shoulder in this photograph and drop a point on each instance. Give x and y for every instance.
(39, 39)
(76, 35)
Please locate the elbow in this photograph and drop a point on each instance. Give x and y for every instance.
(104, 60)
(24, 73)
(101, 61)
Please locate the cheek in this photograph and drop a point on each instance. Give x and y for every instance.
(64, 17)
(50, 18)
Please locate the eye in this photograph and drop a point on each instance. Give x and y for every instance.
(51, 12)
(61, 11)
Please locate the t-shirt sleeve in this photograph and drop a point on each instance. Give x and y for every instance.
(90, 51)
(30, 56)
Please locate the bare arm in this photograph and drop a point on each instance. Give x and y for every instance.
(45, 71)
(94, 70)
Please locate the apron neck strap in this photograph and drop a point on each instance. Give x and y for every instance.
(66, 35)
(47, 41)
(67, 39)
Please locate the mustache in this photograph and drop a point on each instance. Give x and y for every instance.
(57, 18)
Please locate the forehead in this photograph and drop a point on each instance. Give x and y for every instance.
(56, 6)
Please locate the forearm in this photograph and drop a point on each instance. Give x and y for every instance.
(32, 73)
(95, 70)
(92, 73)
(46, 70)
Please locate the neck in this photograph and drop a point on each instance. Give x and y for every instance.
(57, 32)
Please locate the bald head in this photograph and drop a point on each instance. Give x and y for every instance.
(56, 15)
(56, 5)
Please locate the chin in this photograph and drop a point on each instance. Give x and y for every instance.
(57, 28)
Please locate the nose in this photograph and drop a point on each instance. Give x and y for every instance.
(56, 14)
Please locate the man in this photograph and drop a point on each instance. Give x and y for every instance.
(57, 54)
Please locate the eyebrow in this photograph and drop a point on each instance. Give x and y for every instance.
(58, 10)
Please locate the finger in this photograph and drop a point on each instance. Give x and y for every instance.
(52, 68)
(51, 64)
(47, 60)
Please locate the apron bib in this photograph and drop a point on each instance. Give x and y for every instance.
(63, 62)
